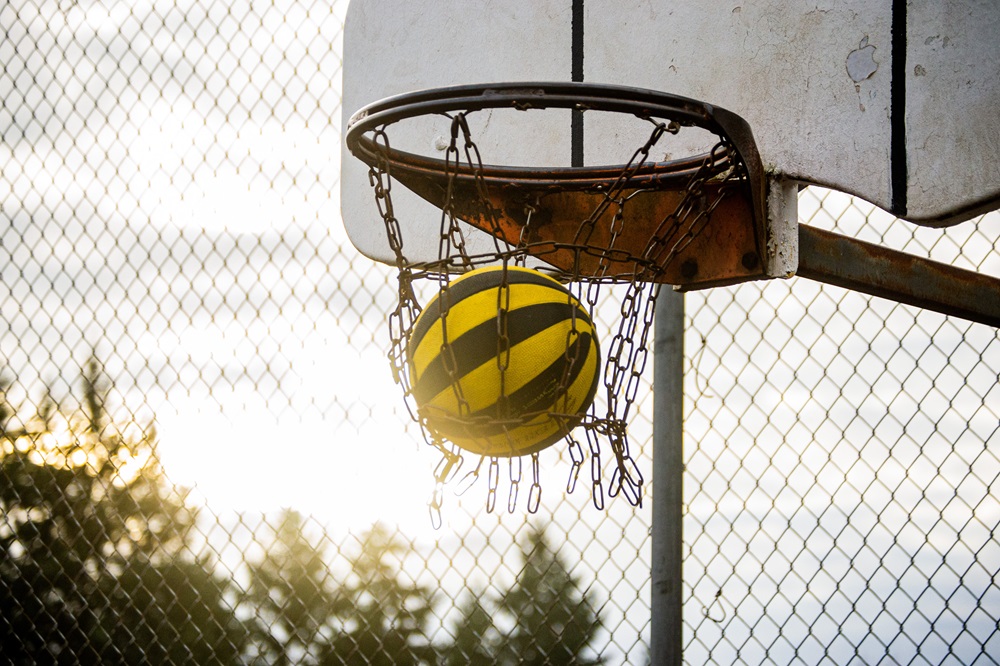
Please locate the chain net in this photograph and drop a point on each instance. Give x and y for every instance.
(628, 350)
(204, 458)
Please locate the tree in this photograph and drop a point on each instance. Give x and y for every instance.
(477, 640)
(92, 534)
(171, 612)
(382, 619)
(291, 596)
(553, 619)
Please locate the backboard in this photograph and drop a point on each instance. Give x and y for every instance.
(895, 102)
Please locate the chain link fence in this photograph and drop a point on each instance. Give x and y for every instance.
(204, 458)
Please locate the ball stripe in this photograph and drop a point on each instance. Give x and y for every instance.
(468, 286)
(480, 388)
(478, 346)
(461, 316)
(536, 395)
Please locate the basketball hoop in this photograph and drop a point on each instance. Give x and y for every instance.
(692, 222)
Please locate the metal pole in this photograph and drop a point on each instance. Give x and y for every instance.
(666, 640)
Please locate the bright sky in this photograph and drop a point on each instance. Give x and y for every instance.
(207, 195)
(235, 444)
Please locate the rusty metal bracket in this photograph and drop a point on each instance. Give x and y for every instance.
(871, 269)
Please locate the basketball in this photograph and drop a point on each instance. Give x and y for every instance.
(502, 394)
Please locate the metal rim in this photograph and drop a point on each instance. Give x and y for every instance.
(523, 96)
(642, 103)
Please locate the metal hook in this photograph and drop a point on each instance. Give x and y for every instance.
(706, 611)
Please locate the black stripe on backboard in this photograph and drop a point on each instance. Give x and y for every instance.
(479, 345)
(897, 101)
(576, 124)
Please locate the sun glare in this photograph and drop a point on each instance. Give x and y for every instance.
(345, 468)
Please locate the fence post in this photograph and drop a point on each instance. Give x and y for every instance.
(666, 639)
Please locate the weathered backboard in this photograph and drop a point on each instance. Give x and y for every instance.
(896, 102)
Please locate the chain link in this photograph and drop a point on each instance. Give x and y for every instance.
(492, 482)
(514, 471)
(503, 344)
(535, 493)
(576, 458)
(597, 489)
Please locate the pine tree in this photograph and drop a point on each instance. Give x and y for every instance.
(383, 619)
(291, 595)
(477, 640)
(554, 619)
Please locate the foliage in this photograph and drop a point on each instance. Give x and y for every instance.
(371, 617)
(382, 617)
(553, 619)
(93, 545)
(477, 640)
(291, 596)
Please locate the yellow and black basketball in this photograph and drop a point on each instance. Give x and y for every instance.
(503, 361)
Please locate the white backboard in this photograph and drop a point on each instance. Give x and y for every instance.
(898, 105)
